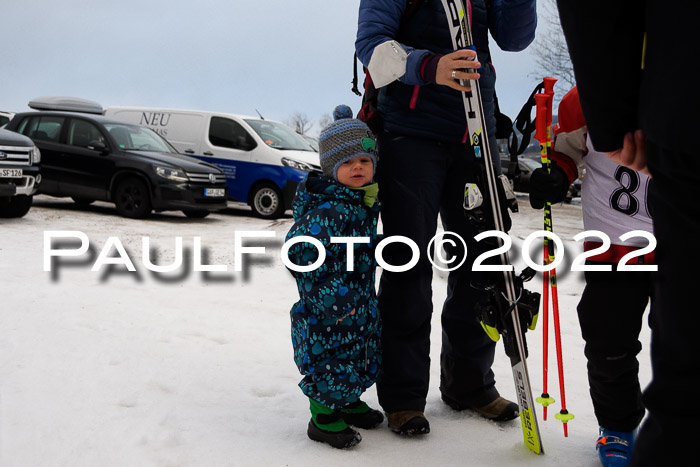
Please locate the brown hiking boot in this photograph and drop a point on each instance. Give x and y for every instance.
(499, 410)
(408, 422)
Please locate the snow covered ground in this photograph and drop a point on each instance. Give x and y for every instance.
(117, 368)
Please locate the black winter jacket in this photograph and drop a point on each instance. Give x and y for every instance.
(411, 106)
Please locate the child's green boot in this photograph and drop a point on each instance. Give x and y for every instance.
(327, 426)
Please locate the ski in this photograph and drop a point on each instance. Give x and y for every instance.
(508, 320)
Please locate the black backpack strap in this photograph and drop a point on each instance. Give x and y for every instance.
(355, 89)
(504, 130)
(524, 122)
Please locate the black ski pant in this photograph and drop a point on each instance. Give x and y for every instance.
(418, 179)
(670, 431)
(610, 313)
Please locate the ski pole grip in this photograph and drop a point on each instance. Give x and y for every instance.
(549, 85)
(549, 91)
(541, 117)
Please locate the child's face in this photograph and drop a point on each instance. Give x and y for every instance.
(356, 172)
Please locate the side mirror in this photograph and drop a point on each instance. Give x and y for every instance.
(98, 146)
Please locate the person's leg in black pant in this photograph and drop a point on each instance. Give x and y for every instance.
(411, 174)
(669, 432)
(466, 379)
(610, 313)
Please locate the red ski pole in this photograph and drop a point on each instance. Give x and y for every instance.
(564, 416)
(541, 135)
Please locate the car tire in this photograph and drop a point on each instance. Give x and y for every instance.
(196, 213)
(266, 201)
(16, 206)
(82, 201)
(132, 198)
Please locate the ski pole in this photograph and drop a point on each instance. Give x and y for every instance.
(541, 135)
(548, 87)
(564, 416)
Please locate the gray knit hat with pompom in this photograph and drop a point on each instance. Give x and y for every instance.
(344, 139)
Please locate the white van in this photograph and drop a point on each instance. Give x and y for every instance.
(264, 161)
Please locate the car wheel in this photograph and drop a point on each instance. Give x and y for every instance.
(196, 213)
(133, 198)
(266, 201)
(82, 201)
(16, 206)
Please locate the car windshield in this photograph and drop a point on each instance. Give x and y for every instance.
(312, 141)
(137, 138)
(279, 136)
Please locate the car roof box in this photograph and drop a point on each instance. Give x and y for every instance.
(70, 104)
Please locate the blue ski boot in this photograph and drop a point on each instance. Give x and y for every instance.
(615, 447)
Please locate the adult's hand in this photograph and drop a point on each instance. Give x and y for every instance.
(633, 152)
(456, 62)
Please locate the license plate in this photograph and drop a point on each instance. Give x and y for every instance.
(214, 192)
(10, 173)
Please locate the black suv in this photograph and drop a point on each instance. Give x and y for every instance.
(19, 174)
(90, 157)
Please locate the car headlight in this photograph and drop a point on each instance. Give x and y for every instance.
(297, 164)
(36, 155)
(171, 174)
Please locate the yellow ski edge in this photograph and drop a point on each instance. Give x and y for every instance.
(529, 433)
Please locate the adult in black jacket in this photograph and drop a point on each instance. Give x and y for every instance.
(637, 83)
(424, 162)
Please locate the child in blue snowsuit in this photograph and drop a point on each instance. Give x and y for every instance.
(335, 324)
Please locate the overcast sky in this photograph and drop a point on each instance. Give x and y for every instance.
(237, 56)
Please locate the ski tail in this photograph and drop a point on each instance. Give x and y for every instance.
(513, 337)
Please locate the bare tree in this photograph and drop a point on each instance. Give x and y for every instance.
(551, 53)
(325, 120)
(299, 122)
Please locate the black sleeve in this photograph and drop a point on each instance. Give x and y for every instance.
(605, 40)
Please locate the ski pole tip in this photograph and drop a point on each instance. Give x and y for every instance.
(564, 416)
(545, 399)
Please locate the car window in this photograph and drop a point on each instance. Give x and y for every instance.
(279, 136)
(42, 128)
(137, 138)
(228, 133)
(82, 133)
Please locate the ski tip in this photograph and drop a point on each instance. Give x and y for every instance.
(530, 431)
